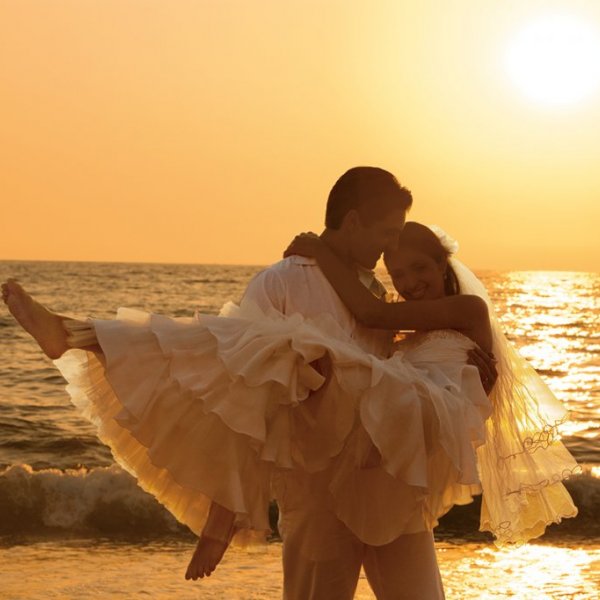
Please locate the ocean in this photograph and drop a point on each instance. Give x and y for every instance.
(64, 501)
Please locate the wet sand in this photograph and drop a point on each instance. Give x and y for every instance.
(82, 569)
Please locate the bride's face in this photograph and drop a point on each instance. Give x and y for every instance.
(416, 276)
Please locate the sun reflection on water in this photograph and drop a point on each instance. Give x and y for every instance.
(470, 571)
(553, 318)
(529, 572)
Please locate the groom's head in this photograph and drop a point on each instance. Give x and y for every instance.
(366, 210)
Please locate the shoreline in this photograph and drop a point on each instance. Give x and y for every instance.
(88, 569)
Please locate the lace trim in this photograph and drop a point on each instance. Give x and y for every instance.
(556, 478)
(541, 439)
(506, 533)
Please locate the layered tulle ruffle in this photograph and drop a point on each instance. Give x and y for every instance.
(215, 408)
(212, 408)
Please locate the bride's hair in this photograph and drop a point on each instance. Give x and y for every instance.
(419, 237)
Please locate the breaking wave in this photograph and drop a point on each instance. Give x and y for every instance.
(107, 502)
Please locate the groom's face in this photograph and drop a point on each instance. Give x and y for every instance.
(369, 241)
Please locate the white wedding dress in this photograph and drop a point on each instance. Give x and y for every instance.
(213, 408)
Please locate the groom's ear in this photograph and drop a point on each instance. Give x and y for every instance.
(351, 221)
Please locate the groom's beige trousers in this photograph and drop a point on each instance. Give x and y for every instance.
(322, 558)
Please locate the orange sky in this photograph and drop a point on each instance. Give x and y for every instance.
(211, 131)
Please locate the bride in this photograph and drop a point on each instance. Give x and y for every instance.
(206, 411)
(522, 462)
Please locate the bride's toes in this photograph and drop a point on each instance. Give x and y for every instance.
(206, 558)
(6, 290)
(197, 568)
(193, 570)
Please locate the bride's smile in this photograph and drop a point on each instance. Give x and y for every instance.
(415, 274)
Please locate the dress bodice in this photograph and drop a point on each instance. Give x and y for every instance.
(437, 346)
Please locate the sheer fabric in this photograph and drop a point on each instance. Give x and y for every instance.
(523, 462)
(214, 408)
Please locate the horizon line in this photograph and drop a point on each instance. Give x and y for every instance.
(211, 264)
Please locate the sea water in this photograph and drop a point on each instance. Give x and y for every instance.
(73, 523)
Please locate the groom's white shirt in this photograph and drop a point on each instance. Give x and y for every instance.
(297, 285)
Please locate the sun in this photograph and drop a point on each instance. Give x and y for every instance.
(555, 60)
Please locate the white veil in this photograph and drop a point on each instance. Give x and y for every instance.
(523, 462)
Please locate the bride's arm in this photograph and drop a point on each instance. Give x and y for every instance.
(452, 312)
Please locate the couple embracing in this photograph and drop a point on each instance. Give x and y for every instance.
(303, 392)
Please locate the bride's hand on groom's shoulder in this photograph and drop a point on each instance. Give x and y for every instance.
(304, 244)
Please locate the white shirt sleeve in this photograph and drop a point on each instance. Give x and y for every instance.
(267, 290)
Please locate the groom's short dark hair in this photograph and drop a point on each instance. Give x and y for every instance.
(372, 191)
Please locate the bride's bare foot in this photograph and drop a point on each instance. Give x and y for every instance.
(206, 557)
(45, 326)
(214, 540)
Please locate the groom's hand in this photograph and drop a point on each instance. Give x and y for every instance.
(486, 365)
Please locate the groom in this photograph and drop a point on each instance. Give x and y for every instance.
(365, 213)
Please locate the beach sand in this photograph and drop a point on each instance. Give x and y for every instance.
(81, 569)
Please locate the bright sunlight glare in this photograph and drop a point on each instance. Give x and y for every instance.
(555, 60)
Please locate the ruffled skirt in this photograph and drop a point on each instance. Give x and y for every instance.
(221, 408)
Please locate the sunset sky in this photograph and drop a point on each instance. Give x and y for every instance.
(211, 131)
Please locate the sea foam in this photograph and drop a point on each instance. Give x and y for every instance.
(106, 501)
(98, 501)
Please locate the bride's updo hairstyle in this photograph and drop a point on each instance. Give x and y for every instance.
(420, 238)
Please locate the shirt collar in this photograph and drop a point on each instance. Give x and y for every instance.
(368, 278)
(365, 275)
(302, 260)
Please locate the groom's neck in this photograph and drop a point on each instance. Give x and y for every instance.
(338, 243)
